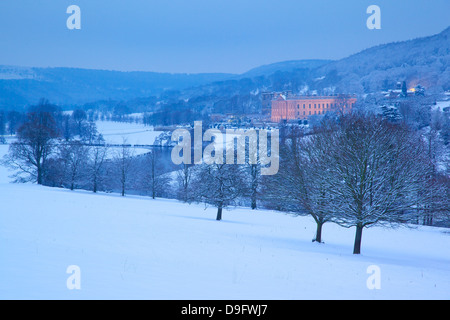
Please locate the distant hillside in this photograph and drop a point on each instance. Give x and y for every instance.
(286, 66)
(20, 86)
(422, 60)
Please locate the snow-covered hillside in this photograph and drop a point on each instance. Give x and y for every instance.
(418, 61)
(138, 248)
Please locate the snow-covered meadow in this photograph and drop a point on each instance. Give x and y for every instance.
(131, 133)
(117, 133)
(138, 248)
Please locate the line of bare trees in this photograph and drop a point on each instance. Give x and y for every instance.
(68, 152)
(356, 170)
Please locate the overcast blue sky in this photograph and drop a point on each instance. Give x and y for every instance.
(204, 35)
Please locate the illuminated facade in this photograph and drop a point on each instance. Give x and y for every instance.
(302, 107)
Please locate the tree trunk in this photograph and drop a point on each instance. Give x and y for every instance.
(358, 237)
(39, 175)
(253, 201)
(219, 214)
(254, 173)
(72, 182)
(319, 232)
(123, 182)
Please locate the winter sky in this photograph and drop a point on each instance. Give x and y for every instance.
(194, 36)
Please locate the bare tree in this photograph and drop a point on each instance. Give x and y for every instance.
(35, 143)
(300, 187)
(435, 153)
(90, 134)
(376, 169)
(97, 157)
(184, 179)
(415, 112)
(73, 155)
(79, 117)
(220, 185)
(154, 179)
(123, 159)
(255, 182)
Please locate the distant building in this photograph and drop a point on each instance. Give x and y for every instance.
(302, 107)
(418, 90)
(401, 91)
(267, 98)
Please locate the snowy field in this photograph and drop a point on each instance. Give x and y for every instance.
(133, 133)
(128, 133)
(138, 248)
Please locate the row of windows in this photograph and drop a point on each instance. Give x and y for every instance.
(319, 109)
(332, 105)
(310, 112)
